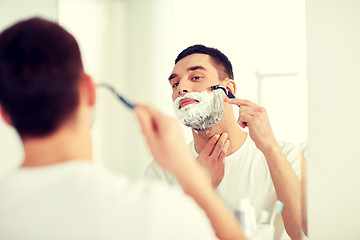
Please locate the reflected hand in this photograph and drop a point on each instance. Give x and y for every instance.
(256, 119)
(164, 138)
(212, 157)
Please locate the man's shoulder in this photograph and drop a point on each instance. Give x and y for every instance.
(162, 202)
(189, 221)
(92, 189)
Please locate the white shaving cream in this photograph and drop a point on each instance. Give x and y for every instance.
(203, 114)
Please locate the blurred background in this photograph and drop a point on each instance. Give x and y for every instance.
(132, 45)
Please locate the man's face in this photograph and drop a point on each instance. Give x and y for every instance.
(194, 73)
(195, 104)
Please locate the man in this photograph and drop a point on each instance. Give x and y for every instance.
(57, 193)
(240, 166)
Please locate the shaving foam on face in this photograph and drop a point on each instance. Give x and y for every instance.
(203, 114)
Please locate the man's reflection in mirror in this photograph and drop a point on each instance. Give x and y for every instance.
(242, 156)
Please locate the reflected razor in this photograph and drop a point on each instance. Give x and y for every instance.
(227, 92)
(122, 99)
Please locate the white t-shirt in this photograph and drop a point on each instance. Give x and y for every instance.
(246, 176)
(76, 200)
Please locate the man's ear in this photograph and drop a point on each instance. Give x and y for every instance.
(90, 89)
(230, 85)
(5, 117)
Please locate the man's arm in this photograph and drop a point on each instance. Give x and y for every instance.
(167, 145)
(286, 183)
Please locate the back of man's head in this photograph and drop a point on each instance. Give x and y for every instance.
(220, 61)
(40, 68)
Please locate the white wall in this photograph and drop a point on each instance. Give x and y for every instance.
(333, 40)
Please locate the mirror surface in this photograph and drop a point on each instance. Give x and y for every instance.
(132, 45)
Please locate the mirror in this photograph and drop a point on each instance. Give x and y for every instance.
(132, 44)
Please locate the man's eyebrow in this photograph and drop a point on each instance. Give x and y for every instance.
(193, 68)
(172, 76)
(196, 68)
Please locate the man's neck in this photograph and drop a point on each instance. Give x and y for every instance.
(236, 135)
(63, 145)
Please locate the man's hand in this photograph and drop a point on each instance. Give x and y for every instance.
(256, 119)
(166, 142)
(164, 138)
(212, 157)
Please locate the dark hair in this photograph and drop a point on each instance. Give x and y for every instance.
(40, 68)
(221, 62)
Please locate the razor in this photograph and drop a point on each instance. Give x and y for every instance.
(121, 98)
(227, 92)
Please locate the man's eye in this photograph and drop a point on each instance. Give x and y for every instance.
(175, 85)
(196, 78)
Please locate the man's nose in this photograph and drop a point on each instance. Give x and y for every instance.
(182, 88)
(183, 91)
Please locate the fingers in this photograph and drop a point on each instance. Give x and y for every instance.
(163, 136)
(208, 149)
(219, 147)
(145, 122)
(242, 102)
(252, 111)
(155, 120)
(245, 117)
(152, 122)
(226, 99)
(223, 152)
(214, 162)
(248, 111)
(226, 145)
